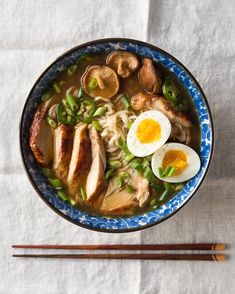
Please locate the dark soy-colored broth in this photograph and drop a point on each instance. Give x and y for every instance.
(129, 87)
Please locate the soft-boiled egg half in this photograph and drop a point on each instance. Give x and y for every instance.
(181, 157)
(148, 133)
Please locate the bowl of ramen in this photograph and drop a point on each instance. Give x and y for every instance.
(116, 135)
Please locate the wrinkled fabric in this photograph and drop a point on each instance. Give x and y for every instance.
(200, 33)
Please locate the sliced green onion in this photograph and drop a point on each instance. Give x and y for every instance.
(129, 157)
(164, 195)
(97, 125)
(148, 173)
(62, 194)
(110, 173)
(153, 202)
(56, 183)
(160, 172)
(119, 182)
(136, 163)
(172, 172)
(51, 122)
(145, 163)
(130, 189)
(72, 201)
(80, 93)
(71, 70)
(83, 193)
(100, 111)
(166, 171)
(122, 144)
(46, 96)
(93, 84)
(167, 185)
(47, 172)
(72, 102)
(69, 111)
(126, 103)
(125, 176)
(129, 124)
(65, 103)
(115, 164)
(156, 206)
(56, 87)
(179, 187)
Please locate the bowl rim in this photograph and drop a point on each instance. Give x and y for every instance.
(153, 47)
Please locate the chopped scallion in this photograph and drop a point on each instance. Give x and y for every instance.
(83, 193)
(93, 83)
(119, 182)
(71, 70)
(160, 172)
(100, 111)
(72, 201)
(56, 183)
(62, 194)
(164, 195)
(46, 96)
(47, 172)
(126, 103)
(109, 173)
(51, 122)
(72, 102)
(97, 125)
(172, 172)
(56, 87)
(148, 173)
(130, 188)
(80, 93)
(166, 171)
(115, 164)
(179, 187)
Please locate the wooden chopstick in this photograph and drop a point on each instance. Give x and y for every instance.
(195, 257)
(184, 246)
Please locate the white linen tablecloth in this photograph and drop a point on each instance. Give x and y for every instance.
(200, 33)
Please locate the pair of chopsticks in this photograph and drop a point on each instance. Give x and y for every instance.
(213, 256)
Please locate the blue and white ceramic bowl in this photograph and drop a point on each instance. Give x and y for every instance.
(115, 224)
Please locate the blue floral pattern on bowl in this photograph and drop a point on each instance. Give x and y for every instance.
(115, 224)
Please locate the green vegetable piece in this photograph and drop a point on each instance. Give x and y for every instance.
(164, 195)
(130, 189)
(123, 146)
(46, 96)
(69, 111)
(125, 176)
(56, 87)
(155, 186)
(62, 194)
(56, 183)
(129, 157)
(100, 111)
(72, 201)
(93, 83)
(129, 124)
(172, 172)
(179, 187)
(72, 102)
(156, 206)
(71, 70)
(148, 173)
(136, 164)
(115, 164)
(51, 122)
(160, 171)
(109, 173)
(47, 172)
(166, 171)
(65, 103)
(87, 110)
(61, 116)
(153, 202)
(119, 182)
(83, 193)
(126, 103)
(97, 125)
(80, 93)
(170, 91)
(167, 185)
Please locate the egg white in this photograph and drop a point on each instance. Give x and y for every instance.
(144, 149)
(190, 171)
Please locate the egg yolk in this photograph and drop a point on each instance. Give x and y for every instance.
(177, 159)
(148, 131)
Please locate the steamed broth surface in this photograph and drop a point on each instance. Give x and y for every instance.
(129, 87)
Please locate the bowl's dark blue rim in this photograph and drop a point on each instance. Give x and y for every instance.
(104, 40)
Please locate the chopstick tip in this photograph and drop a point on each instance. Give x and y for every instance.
(219, 246)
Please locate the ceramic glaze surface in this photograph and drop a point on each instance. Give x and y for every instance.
(120, 224)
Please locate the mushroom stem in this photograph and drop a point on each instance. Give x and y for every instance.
(100, 82)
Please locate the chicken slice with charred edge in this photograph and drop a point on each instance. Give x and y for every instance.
(96, 182)
(41, 134)
(80, 160)
(62, 149)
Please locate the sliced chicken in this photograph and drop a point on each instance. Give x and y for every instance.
(62, 148)
(96, 182)
(116, 199)
(80, 160)
(41, 134)
(177, 117)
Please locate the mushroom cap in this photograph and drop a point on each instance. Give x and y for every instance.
(149, 77)
(123, 62)
(107, 81)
